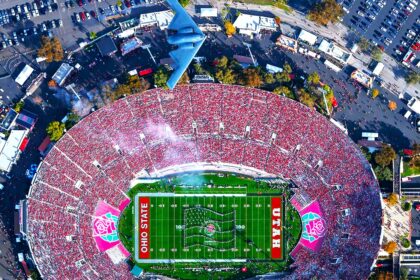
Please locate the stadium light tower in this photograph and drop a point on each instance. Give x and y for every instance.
(250, 53)
(147, 47)
(325, 100)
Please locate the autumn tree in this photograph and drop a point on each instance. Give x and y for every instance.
(363, 44)
(325, 12)
(52, 84)
(226, 76)
(392, 105)
(51, 49)
(385, 156)
(390, 247)
(375, 93)
(415, 158)
(277, 20)
(184, 3)
(185, 79)
(251, 78)
(19, 106)
(392, 199)
(55, 130)
(137, 84)
(229, 28)
(269, 78)
(287, 68)
(306, 98)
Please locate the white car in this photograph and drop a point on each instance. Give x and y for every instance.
(397, 51)
(77, 18)
(88, 15)
(411, 32)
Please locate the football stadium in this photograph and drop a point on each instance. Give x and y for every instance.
(206, 180)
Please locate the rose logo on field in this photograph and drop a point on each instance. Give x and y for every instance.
(105, 227)
(314, 227)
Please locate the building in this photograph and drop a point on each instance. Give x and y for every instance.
(250, 25)
(35, 83)
(273, 69)
(362, 78)
(287, 43)
(335, 51)
(62, 73)
(9, 120)
(26, 120)
(411, 262)
(414, 104)
(307, 37)
(245, 61)
(160, 19)
(130, 45)
(106, 46)
(209, 27)
(24, 75)
(11, 149)
(208, 12)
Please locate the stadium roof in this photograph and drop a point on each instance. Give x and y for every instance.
(62, 73)
(307, 37)
(24, 75)
(106, 46)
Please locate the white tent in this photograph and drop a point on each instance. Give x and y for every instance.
(208, 12)
(10, 152)
(24, 75)
(307, 37)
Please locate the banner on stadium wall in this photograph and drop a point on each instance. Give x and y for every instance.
(104, 226)
(276, 228)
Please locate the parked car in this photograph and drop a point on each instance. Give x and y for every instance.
(77, 17)
(82, 16)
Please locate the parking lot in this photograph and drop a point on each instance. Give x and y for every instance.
(391, 25)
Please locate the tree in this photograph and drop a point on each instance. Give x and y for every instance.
(119, 3)
(385, 156)
(160, 77)
(269, 78)
(51, 49)
(392, 199)
(383, 173)
(325, 12)
(415, 158)
(184, 3)
(229, 28)
(404, 273)
(226, 76)
(366, 153)
(55, 130)
(185, 79)
(251, 78)
(313, 79)
(287, 68)
(363, 44)
(306, 98)
(375, 93)
(277, 20)
(52, 84)
(412, 77)
(93, 35)
(406, 206)
(19, 106)
(376, 53)
(405, 243)
(222, 63)
(282, 77)
(72, 119)
(392, 105)
(283, 90)
(390, 247)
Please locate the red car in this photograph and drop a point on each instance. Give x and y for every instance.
(82, 16)
(80, 3)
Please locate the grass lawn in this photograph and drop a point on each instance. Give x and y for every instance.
(409, 171)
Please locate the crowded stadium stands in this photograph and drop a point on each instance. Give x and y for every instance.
(96, 160)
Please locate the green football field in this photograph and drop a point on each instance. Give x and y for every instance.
(198, 227)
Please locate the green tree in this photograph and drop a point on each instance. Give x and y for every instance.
(222, 63)
(406, 206)
(404, 273)
(287, 68)
(55, 130)
(383, 173)
(92, 35)
(376, 53)
(282, 77)
(184, 3)
(385, 156)
(19, 106)
(412, 77)
(363, 44)
(72, 119)
(325, 12)
(365, 152)
(119, 3)
(161, 76)
(313, 79)
(283, 90)
(226, 76)
(269, 78)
